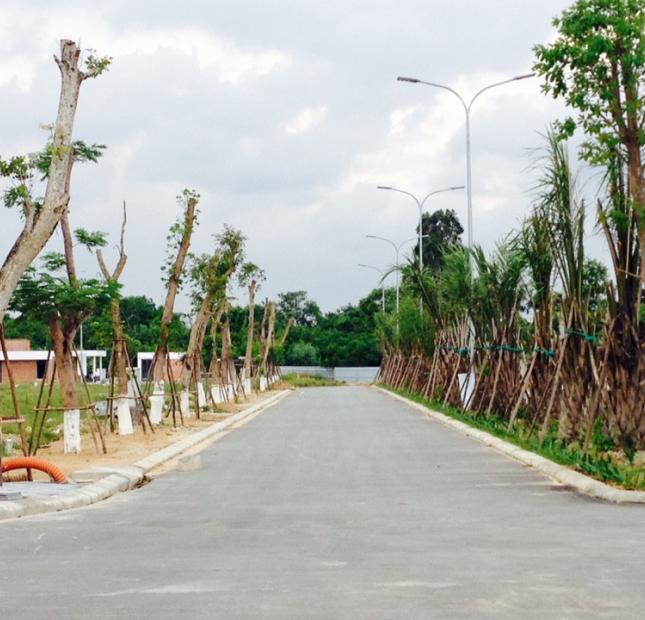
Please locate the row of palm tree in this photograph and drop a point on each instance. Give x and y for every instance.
(535, 333)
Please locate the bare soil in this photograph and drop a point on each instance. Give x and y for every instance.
(127, 449)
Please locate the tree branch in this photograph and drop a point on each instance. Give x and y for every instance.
(102, 265)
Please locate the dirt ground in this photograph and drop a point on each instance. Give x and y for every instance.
(125, 450)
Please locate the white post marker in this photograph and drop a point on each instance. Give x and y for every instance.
(72, 431)
(201, 395)
(132, 403)
(184, 404)
(124, 417)
(156, 403)
(216, 393)
(466, 386)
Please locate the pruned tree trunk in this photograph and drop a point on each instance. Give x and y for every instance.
(248, 357)
(228, 374)
(270, 335)
(66, 372)
(63, 331)
(198, 330)
(40, 224)
(174, 279)
(263, 330)
(120, 361)
(197, 335)
(124, 416)
(287, 329)
(66, 364)
(215, 322)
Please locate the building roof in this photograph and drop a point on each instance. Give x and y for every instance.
(25, 356)
(34, 356)
(148, 355)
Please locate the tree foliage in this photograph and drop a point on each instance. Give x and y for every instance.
(442, 231)
(597, 65)
(297, 306)
(43, 295)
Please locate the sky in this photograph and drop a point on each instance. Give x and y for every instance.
(284, 116)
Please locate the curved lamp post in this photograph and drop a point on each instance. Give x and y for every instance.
(467, 109)
(397, 250)
(382, 272)
(420, 204)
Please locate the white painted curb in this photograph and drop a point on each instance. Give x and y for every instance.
(564, 475)
(126, 477)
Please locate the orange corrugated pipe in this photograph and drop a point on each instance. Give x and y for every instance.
(31, 462)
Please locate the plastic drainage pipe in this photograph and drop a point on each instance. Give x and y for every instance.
(32, 462)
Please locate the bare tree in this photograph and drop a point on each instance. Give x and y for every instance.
(216, 320)
(179, 240)
(251, 276)
(210, 277)
(269, 338)
(40, 220)
(94, 242)
(287, 329)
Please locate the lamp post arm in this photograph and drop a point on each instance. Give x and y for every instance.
(443, 87)
(440, 191)
(495, 85)
(398, 249)
(383, 239)
(372, 267)
(401, 191)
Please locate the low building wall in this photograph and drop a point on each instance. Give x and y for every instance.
(24, 371)
(360, 374)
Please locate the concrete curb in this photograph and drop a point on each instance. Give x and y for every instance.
(559, 473)
(126, 477)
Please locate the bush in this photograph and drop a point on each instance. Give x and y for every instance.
(302, 354)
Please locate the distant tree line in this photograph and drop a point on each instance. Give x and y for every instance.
(345, 337)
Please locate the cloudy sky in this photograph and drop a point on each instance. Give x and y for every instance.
(285, 115)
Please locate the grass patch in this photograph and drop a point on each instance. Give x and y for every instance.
(597, 463)
(297, 380)
(28, 397)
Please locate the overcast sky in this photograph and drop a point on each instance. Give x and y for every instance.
(285, 116)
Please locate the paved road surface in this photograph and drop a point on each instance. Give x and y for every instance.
(336, 503)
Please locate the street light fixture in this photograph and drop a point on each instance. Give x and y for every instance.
(420, 204)
(397, 250)
(382, 272)
(467, 108)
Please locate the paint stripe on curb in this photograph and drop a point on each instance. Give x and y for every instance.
(126, 477)
(559, 473)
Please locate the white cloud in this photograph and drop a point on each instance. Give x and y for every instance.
(417, 139)
(217, 96)
(233, 62)
(306, 120)
(400, 116)
(18, 71)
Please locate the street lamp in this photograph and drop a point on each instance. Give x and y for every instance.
(382, 272)
(467, 109)
(420, 204)
(397, 249)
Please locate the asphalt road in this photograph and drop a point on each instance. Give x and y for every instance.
(336, 503)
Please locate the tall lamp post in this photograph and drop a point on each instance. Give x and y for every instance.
(420, 204)
(382, 272)
(397, 250)
(467, 109)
